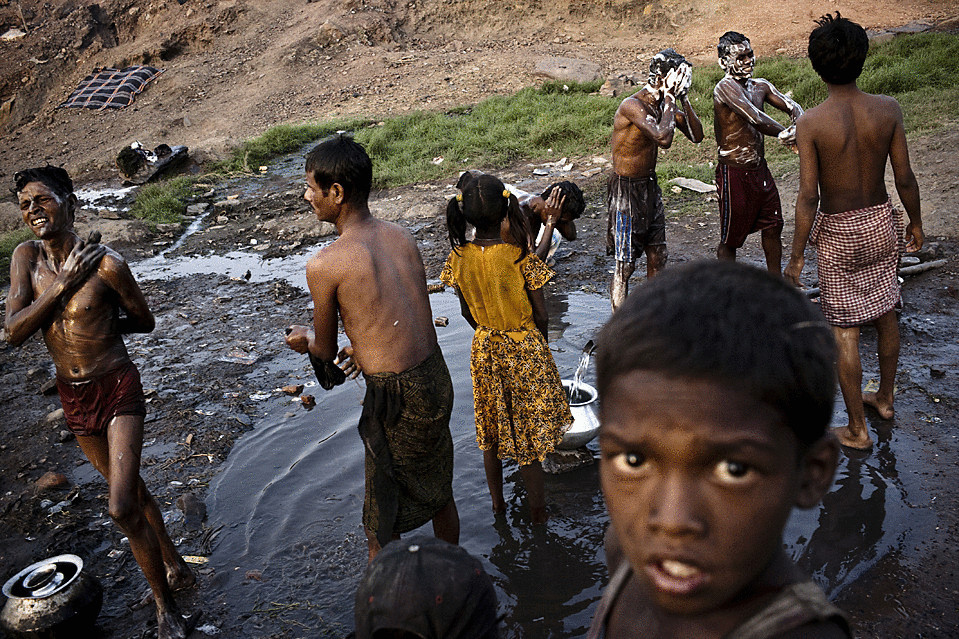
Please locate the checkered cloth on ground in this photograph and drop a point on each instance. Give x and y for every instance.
(111, 88)
(858, 254)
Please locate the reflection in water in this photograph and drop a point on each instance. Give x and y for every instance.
(290, 497)
(291, 494)
(866, 515)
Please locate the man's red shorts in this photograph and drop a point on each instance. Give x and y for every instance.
(91, 404)
(748, 202)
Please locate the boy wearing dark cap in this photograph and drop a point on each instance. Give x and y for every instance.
(425, 588)
(716, 385)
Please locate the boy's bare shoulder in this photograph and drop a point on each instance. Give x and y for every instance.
(26, 249)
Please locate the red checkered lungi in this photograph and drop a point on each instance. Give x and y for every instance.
(858, 253)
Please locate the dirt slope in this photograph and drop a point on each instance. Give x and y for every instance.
(235, 67)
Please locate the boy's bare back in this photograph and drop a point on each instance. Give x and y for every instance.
(850, 136)
(376, 276)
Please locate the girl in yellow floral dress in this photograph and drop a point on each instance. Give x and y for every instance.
(520, 404)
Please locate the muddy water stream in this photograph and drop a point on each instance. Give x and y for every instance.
(290, 495)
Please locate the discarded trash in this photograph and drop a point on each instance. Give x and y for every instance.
(437, 160)
(441, 321)
(195, 559)
(259, 397)
(12, 34)
(435, 288)
(111, 88)
(138, 165)
(692, 185)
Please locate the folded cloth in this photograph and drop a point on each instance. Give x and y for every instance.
(858, 256)
(111, 88)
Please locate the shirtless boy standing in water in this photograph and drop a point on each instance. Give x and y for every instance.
(748, 198)
(373, 278)
(83, 298)
(644, 123)
(844, 210)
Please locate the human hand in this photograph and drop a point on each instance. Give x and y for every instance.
(793, 271)
(81, 262)
(554, 206)
(788, 136)
(298, 338)
(914, 237)
(344, 359)
(685, 81)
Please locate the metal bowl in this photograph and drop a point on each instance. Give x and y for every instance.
(51, 599)
(585, 421)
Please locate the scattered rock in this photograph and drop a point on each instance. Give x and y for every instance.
(568, 70)
(194, 510)
(293, 389)
(54, 416)
(197, 209)
(64, 436)
(308, 401)
(50, 480)
(619, 84)
(49, 387)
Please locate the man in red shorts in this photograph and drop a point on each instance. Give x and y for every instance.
(82, 297)
(748, 198)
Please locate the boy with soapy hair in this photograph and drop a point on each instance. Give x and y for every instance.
(716, 385)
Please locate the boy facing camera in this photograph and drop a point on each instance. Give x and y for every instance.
(716, 385)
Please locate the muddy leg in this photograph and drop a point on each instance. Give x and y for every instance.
(619, 286)
(887, 328)
(533, 477)
(655, 259)
(494, 478)
(117, 457)
(855, 435)
(178, 574)
(446, 523)
(773, 249)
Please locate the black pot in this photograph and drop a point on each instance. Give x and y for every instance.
(51, 599)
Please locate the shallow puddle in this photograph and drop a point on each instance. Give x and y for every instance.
(290, 498)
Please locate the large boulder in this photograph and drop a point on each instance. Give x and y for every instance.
(568, 70)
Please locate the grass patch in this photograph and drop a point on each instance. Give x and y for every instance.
(9, 241)
(163, 202)
(539, 124)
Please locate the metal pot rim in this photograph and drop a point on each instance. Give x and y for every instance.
(67, 558)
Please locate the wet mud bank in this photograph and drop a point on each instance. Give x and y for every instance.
(885, 544)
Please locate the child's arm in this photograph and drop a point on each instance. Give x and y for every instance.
(906, 184)
(465, 311)
(807, 201)
(540, 315)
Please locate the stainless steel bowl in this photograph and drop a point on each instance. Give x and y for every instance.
(51, 599)
(585, 421)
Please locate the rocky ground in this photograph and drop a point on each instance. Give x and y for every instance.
(272, 61)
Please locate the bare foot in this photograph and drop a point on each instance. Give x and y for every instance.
(846, 437)
(173, 625)
(180, 577)
(884, 409)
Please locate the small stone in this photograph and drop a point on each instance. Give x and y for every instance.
(197, 209)
(293, 389)
(308, 401)
(64, 436)
(194, 510)
(48, 387)
(937, 373)
(54, 416)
